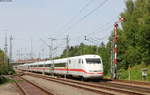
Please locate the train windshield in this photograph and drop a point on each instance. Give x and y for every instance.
(93, 61)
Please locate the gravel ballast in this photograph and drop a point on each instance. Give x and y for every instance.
(8, 89)
(57, 88)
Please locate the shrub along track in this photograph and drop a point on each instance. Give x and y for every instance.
(100, 89)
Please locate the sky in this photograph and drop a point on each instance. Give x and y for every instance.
(32, 23)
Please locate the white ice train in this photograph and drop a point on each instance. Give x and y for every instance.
(85, 66)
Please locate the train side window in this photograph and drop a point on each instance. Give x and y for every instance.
(69, 61)
(40, 65)
(82, 61)
(79, 61)
(60, 65)
(48, 65)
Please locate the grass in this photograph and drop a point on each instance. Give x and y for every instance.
(135, 73)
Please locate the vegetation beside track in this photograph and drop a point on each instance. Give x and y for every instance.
(5, 67)
(4, 80)
(135, 73)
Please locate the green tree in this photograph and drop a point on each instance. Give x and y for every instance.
(5, 68)
(134, 37)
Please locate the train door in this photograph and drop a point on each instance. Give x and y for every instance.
(71, 66)
(67, 66)
(80, 63)
(81, 66)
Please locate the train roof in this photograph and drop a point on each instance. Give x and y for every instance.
(62, 60)
(85, 56)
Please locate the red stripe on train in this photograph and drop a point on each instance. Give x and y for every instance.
(78, 70)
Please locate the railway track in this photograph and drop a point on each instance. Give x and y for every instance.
(133, 82)
(138, 89)
(72, 85)
(28, 88)
(135, 86)
(100, 89)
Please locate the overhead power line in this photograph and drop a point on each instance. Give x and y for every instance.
(102, 30)
(80, 11)
(88, 14)
(105, 27)
(84, 7)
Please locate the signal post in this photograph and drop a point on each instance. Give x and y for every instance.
(115, 50)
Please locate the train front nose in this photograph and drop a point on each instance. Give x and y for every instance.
(94, 74)
(94, 68)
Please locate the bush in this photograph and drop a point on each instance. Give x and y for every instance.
(6, 69)
(3, 80)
